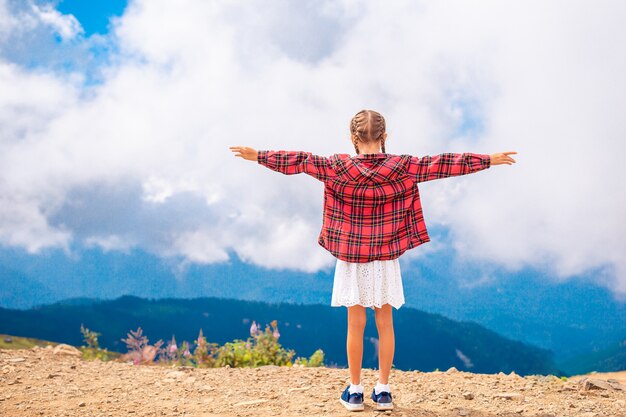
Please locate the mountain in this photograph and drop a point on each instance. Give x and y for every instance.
(424, 341)
(568, 318)
(18, 289)
(612, 359)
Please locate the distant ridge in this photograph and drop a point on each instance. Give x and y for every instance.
(424, 341)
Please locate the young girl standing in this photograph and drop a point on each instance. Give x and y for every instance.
(372, 215)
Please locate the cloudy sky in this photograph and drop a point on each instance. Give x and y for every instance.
(116, 135)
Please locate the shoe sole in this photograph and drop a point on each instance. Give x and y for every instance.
(352, 407)
(384, 406)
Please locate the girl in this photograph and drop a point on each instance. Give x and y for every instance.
(372, 215)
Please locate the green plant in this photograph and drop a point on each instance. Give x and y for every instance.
(92, 350)
(261, 348)
(316, 359)
(204, 353)
(91, 338)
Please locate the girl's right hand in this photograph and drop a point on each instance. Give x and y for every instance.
(501, 158)
(245, 152)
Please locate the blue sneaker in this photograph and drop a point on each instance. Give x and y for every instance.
(354, 401)
(383, 400)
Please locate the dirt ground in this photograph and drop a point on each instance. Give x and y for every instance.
(57, 382)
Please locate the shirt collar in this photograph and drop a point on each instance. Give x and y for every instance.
(371, 155)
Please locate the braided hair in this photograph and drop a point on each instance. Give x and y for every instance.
(367, 126)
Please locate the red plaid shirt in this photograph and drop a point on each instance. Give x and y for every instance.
(372, 208)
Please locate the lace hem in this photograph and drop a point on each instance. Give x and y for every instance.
(370, 284)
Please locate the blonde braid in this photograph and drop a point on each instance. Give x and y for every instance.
(367, 126)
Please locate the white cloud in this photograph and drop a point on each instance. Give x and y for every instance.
(65, 25)
(110, 243)
(467, 362)
(24, 224)
(19, 17)
(199, 246)
(193, 77)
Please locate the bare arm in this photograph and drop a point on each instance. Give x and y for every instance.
(287, 162)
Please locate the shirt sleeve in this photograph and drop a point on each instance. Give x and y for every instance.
(295, 162)
(446, 165)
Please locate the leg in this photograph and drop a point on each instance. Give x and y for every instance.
(386, 342)
(354, 344)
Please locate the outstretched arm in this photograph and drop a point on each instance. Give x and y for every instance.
(286, 162)
(454, 164)
(502, 158)
(245, 152)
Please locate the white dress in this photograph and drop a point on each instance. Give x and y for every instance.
(370, 284)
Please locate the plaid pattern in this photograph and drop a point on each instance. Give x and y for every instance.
(372, 208)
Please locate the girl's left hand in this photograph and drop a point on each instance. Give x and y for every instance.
(245, 152)
(502, 158)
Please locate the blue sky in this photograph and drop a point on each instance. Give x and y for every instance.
(116, 119)
(93, 15)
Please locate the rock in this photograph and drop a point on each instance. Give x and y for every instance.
(510, 396)
(15, 360)
(175, 374)
(64, 349)
(82, 404)
(569, 386)
(251, 402)
(452, 370)
(593, 383)
(298, 389)
(548, 378)
(468, 395)
(616, 385)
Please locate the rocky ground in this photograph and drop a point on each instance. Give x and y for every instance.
(57, 382)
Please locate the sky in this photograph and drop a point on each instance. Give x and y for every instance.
(116, 118)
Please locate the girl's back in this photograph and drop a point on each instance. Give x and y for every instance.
(372, 207)
(372, 215)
